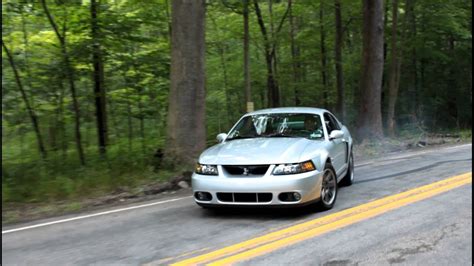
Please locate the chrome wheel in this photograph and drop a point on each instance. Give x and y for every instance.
(328, 187)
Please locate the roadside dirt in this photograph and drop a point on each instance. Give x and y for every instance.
(13, 213)
(369, 150)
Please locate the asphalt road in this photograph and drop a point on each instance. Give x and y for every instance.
(435, 230)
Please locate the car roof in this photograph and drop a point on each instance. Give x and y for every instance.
(310, 110)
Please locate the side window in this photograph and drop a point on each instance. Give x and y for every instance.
(330, 126)
(335, 122)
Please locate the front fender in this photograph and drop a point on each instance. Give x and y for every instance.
(321, 160)
(319, 157)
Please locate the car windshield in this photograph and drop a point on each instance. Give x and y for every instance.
(278, 125)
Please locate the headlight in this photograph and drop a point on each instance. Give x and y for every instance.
(206, 169)
(295, 168)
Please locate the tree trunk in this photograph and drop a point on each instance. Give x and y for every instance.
(141, 118)
(454, 97)
(186, 136)
(270, 55)
(225, 84)
(129, 126)
(60, 119)
(394, 72)
(26, 55)
(221, 50)
(385, 48)
(31, 112)
(273, 53)
(112, 114)
(70, 76)
(52, 131)
(423, 89)
(341, 110)
(99, 89)
(369, 122)
(248, 91)
(413, 87)
(323, 55)
(272, 89)
(295, 55)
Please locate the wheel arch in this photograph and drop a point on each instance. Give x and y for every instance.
(324, 158)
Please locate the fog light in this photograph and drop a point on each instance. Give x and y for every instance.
(296, 196)
(203, 196)
(289, 196)
(200, 195)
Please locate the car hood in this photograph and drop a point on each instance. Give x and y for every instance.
(257, 151)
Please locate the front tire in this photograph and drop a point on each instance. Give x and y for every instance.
(328, 188)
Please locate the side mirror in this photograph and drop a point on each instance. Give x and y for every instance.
(336, 134)
(221, 137)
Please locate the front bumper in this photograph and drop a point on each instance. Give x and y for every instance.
(308, 185)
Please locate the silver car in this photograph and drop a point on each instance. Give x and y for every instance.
(281, 156)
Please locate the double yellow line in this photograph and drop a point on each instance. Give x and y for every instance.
(293, 234)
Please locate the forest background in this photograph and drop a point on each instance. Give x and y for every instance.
(90, 103)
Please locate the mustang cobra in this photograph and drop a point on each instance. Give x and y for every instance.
(281, 156)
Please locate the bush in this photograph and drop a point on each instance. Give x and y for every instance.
(60, 177)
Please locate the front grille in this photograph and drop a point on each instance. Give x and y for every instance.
(244, 197)
(246, 169)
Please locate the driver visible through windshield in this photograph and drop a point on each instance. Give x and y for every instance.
(278, 125)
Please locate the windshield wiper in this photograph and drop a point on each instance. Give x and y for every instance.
(281, 135)
(241, 137)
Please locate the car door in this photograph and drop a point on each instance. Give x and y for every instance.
(338, 147)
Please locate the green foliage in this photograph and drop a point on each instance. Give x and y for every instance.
(435, 83)
(466, 134)
(62, 178)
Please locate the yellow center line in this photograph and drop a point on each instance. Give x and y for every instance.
(333, 226)
(299, 232)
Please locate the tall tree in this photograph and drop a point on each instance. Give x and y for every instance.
(98, 74)
(340, 108)
(69, 71)
(186, 129)
(273, 91)
(413, 67)
(295, 53)
(248, 91)
(26, 52)
(394, 72)
(31, 112)
(322, 46)
(228, 105)
(369, 121)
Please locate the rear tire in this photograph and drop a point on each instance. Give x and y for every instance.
(349, 177)
(328, 188)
